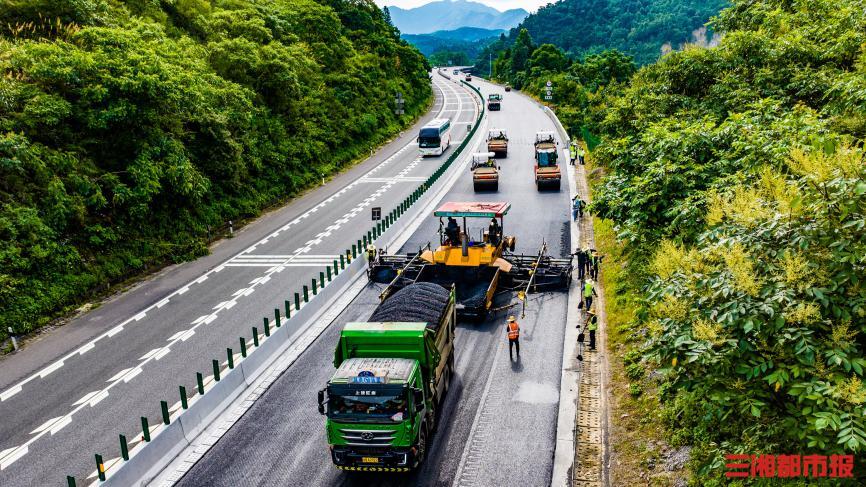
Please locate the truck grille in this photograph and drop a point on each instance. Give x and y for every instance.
(355, 437)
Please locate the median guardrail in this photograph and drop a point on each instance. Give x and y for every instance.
(180, 424)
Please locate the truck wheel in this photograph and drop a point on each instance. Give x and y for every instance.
(556, 186)
(422, 447)
(476, 187)
(496, 186)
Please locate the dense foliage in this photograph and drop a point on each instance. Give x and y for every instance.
(129, 130)
(642, 29)
(735, 177)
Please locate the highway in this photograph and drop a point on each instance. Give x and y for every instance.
(69, 394)
(499, 419)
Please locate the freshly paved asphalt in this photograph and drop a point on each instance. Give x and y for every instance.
(61, 436)
(499, 418)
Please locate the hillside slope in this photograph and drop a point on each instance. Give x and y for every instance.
(450, 15)
(642, 29)
(734, 179)
(130, 131)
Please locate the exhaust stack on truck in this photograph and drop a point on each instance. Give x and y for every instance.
(392, 373)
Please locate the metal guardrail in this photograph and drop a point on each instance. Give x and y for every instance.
(181, 423)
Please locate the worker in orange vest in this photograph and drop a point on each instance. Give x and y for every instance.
(513, 330)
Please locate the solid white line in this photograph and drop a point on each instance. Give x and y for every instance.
(9, 393)
(86, 348)
(65, 420)
(86, 398)
(118, 375)
(114, 331)
(51, 368)
(10, 458)
(46, 425)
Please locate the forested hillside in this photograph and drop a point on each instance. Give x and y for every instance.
(642, 29)
(735, 181)
(130, 130)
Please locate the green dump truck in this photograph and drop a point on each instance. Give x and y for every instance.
(392, 373)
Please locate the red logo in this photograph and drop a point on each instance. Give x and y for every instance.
(789, 466)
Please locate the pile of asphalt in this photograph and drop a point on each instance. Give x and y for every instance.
(418, 303)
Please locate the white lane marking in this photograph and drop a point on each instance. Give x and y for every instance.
(86, 398)
(97, 398)
(162, 303)
(85, 348)
(114, 331)
(150, 354)
(200, 319)
(139, 316)
(51, 368)
(46, 425)
(118, 375)
(131, 374)
(64, 421)
(161, 353)
(128, 374)
(15, 454)
(9, 393)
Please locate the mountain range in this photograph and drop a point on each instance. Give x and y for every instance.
(451, 15)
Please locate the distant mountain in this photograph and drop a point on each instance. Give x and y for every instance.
(452, 15)
(468, 40)
(465, 34)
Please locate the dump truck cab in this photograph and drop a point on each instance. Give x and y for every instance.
(485, 172)
(391, 377)
(497, 142)
(547, 171)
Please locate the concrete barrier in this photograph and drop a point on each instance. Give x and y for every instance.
(148, 459)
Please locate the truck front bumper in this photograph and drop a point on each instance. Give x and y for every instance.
(347, 458)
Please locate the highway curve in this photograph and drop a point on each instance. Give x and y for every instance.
(499, 419)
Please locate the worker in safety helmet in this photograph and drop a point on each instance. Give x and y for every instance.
(513, 330)
(452, 232)
(493, 232)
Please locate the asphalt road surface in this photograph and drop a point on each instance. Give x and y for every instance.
(499, 418)
(69, 394)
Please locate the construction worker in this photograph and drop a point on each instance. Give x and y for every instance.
(577, 205)
(371, 253)
(493, 232)
(591, 326)
(581, 263)
(580, 155)
(572, 151)
(513, 331)
(588, 293)
(452, 232)
(596, 263)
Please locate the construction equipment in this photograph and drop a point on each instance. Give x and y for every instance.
(476, 268)
(497, 142)
(392, 373)
(547, 171)
(494, 102)
(485, 172)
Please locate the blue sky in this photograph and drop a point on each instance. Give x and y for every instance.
(529, 5)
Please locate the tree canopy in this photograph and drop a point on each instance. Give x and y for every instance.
(130, 131)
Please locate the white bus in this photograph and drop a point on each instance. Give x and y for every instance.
(435, 137)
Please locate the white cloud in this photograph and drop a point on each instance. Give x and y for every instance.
(501, 5)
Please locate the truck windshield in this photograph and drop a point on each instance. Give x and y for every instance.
(367, 404)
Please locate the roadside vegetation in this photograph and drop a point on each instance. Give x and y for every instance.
(731, 196)
(130, 131)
